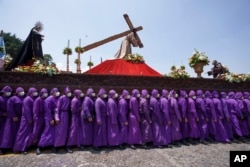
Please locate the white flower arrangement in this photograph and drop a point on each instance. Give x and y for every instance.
(198, 57)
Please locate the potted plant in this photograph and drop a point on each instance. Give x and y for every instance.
(197, 61)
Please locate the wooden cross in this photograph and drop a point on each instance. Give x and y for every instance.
(114, 37)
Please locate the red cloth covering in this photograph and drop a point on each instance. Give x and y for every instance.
(123, 67)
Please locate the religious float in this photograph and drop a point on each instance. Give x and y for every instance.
(125, 71)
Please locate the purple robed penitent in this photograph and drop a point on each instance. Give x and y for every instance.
(158, 127)
(227, 116)
(246, 102)
(192, 115)
(236, 114)
(38, 115)
(164, 107)
(175, 117)
(134, 136)
(100, 131)
(211, 114)
(182, 103)
(220, 130)
(14, 113)
(146, 129)
(240, 107)
(87, 115)
(24, 134)
(48, 135)
(62, 116)
(123, 120)
(75, 131)
(112, 119)
(202, 114)
(6, 94)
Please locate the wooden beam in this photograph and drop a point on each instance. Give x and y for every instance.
(130, 25)
(111, 38)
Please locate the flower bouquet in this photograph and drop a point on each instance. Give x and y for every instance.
(178, 73)
(198, 57)
(38, 67)
(134, 58)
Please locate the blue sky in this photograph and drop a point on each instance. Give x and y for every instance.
(171, 29)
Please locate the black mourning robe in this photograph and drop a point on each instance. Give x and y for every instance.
(32, 47)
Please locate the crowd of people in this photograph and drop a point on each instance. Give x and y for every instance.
(160, 118)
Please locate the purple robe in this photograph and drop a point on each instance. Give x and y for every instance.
(202, 114)
(75, 129)
(146, 129)
(243, 120)
(100, 131)
(164, 107)
(235, 114)
(212, 116)
(227, 116)
(38, 115)
(220, 134)
(62, 116)
(182, 103)
(192, 115)
(134, 134)
(175, 117)
(24, 134)
(48, 135)
(88, 114)
(14, 111)
(158, 127)
(246, 102)
(112, 120)
(6, 94)
(123, 120)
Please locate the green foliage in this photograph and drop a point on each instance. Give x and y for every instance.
(90, 64)
(12, 44)
(47, 59)
(67, 51)
(78, 49)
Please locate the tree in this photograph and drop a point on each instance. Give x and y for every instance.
(12, 44)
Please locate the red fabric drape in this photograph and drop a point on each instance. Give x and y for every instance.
(123, 67)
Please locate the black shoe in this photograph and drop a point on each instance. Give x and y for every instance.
(176, 144)
(168, 146)
(38, 151)
(158, 146)
(192, 141)
(202, 141)
(144, 146)
(54, 150)
(24, 152)
(184, 142)
(1, 152)
(132, 147)
(97, 148)
(81, 148)
(69, 150)
(122, 147)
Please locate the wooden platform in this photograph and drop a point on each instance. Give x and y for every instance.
(117, 82)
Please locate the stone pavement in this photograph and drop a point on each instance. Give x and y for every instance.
(212, 155)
